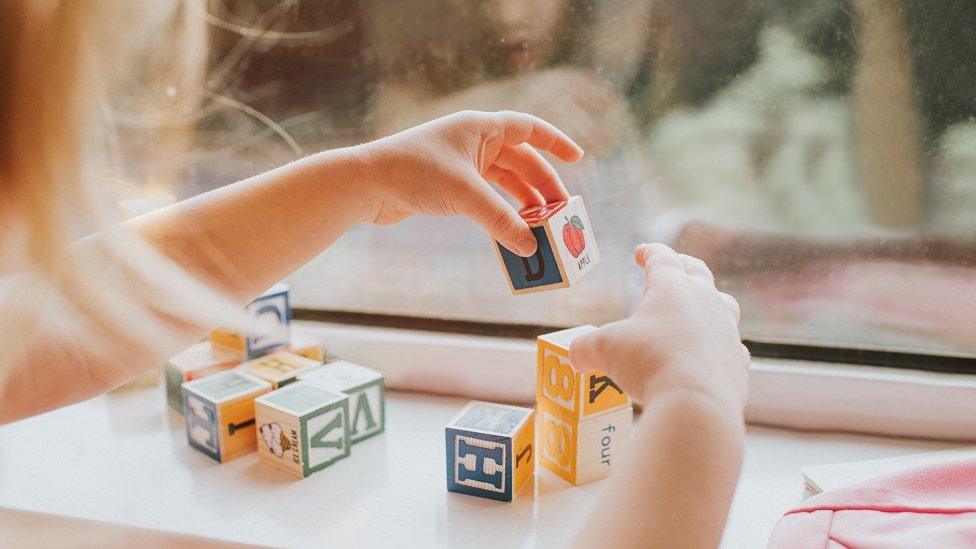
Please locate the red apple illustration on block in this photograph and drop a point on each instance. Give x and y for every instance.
(573, 235)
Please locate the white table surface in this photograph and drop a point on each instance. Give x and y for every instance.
(123, 459)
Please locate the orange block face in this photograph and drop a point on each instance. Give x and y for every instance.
(557, 443)
(238, 435)
(523, 449)
(570, 394)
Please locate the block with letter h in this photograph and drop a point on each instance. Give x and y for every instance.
(303, 428)
(279, 368)
(567, 248)
(490, 450)
(584, 419)
(220, 413)
(365, 388)
(270, 314)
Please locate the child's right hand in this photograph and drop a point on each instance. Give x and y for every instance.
(684, 335)
(442, 168)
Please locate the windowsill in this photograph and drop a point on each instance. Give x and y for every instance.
(783, 393)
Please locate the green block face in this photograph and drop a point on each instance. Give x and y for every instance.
(367, 410)
(325, 436)
(174, 394)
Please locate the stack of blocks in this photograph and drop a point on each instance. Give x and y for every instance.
(584, 418)
(227, 349)
(567, 248)
(489, 450)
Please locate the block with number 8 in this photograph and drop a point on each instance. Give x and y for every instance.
(569, 393)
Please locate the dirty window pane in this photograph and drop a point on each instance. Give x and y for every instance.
(820, 155)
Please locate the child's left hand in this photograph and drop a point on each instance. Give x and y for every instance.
(443, 168)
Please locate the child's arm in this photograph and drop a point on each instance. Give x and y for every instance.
(681, 355)
(244, 237)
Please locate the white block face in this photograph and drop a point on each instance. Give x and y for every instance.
(340, 375)
(325, 439)
(564, 338)
(574, 240)
(366, 412)
(272, 316)
(602, 442)
(278, 439)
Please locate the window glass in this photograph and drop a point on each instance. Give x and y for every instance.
(820, 155)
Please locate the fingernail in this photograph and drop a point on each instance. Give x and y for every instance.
(526, 246)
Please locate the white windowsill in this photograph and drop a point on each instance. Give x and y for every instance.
(794, 394)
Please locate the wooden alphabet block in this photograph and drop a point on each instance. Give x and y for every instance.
(220, 413)
(569, 393)
(584, 451)
(567, 248)
(366, 390)
(490, 450)
(199, 361)
(303, 428)
(280, 367)
(308, 347)
(271, 316)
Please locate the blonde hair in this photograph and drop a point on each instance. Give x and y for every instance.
(86, 88)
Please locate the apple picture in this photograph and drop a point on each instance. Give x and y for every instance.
(573, 235)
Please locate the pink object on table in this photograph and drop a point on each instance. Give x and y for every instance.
(932, 506)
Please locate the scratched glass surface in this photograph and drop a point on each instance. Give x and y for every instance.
(820, 155)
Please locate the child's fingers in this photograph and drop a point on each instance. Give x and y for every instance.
(733, 306)
(526, 194)
(657, 257)
(533, 169)
(585, 350)
(521, 128)
(697, 267)
(488, 209)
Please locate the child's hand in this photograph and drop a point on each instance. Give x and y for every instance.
(441, 168)
(684, 335)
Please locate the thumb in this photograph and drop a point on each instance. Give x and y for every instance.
(585, 351)
(488, 209)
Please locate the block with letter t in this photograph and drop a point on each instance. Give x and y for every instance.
(366, 390)
(490, 450)
(303, 428)
(270, 314)
(567, 248)
(219, 413)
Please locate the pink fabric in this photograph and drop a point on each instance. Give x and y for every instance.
(933, 506)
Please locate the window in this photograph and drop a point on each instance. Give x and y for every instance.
(820, 155)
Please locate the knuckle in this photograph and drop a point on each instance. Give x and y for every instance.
(503, 222)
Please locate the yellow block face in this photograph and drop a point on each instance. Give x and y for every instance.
(573, 395)
(523, 449)
(280, 368)
(237, 431)
(314, 352)
(557, 443)
(227, 340)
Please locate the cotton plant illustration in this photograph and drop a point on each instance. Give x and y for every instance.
(275, 439)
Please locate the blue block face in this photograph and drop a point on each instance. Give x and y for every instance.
(277, 308)
(479, 464)
(531, 272)
(202, 430)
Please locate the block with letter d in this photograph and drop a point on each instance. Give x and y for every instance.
(366, 390)
(567, 248)
(270, 314)
(569, 393)
(303, 428)
(219, 412)
(490, 450)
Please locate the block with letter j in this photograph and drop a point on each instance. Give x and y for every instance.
(490, 450)
(567, 248)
